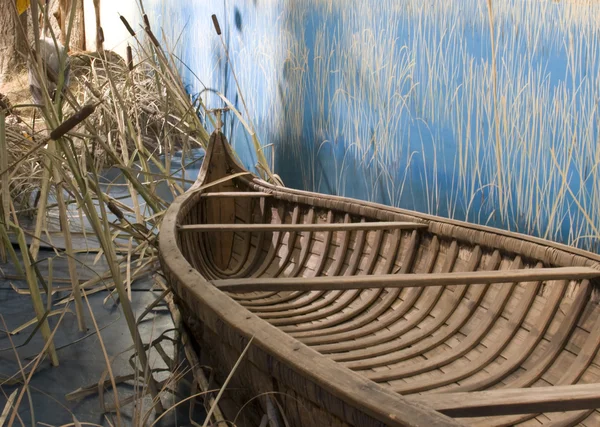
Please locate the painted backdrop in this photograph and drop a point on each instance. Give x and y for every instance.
(484, 111)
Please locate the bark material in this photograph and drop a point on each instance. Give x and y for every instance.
(99, 31)
(77, 39)
(13, 41)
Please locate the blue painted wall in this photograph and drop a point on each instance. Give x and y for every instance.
(394, 101)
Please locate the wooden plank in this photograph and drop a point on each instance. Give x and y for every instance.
(328, 283)
(514, 401)
(351, 226)
(235, 194)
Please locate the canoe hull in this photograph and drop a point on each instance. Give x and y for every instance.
(351, 356)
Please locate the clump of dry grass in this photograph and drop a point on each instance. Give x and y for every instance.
(24, 179)
(132, 115)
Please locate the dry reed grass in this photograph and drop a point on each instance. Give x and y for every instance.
(134, 118)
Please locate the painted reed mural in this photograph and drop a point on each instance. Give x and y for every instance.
(479, 111)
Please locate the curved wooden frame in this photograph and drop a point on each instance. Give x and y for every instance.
(311, 362)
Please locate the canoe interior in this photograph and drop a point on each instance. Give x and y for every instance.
(412, 340)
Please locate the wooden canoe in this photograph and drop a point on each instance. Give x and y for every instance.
(361, 314)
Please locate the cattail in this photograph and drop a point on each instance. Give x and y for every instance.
(129, 58)
(216, 24)
(127, 25)
(72, 121)
(115, 210)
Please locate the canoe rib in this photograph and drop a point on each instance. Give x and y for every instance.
(514, 401)
(404, 281)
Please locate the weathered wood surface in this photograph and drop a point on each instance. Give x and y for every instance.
(352, 226)
(235, 194)
(330, 283)
(515, 401)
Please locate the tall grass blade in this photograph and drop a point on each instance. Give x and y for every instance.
(8, 407)
(36, 297)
